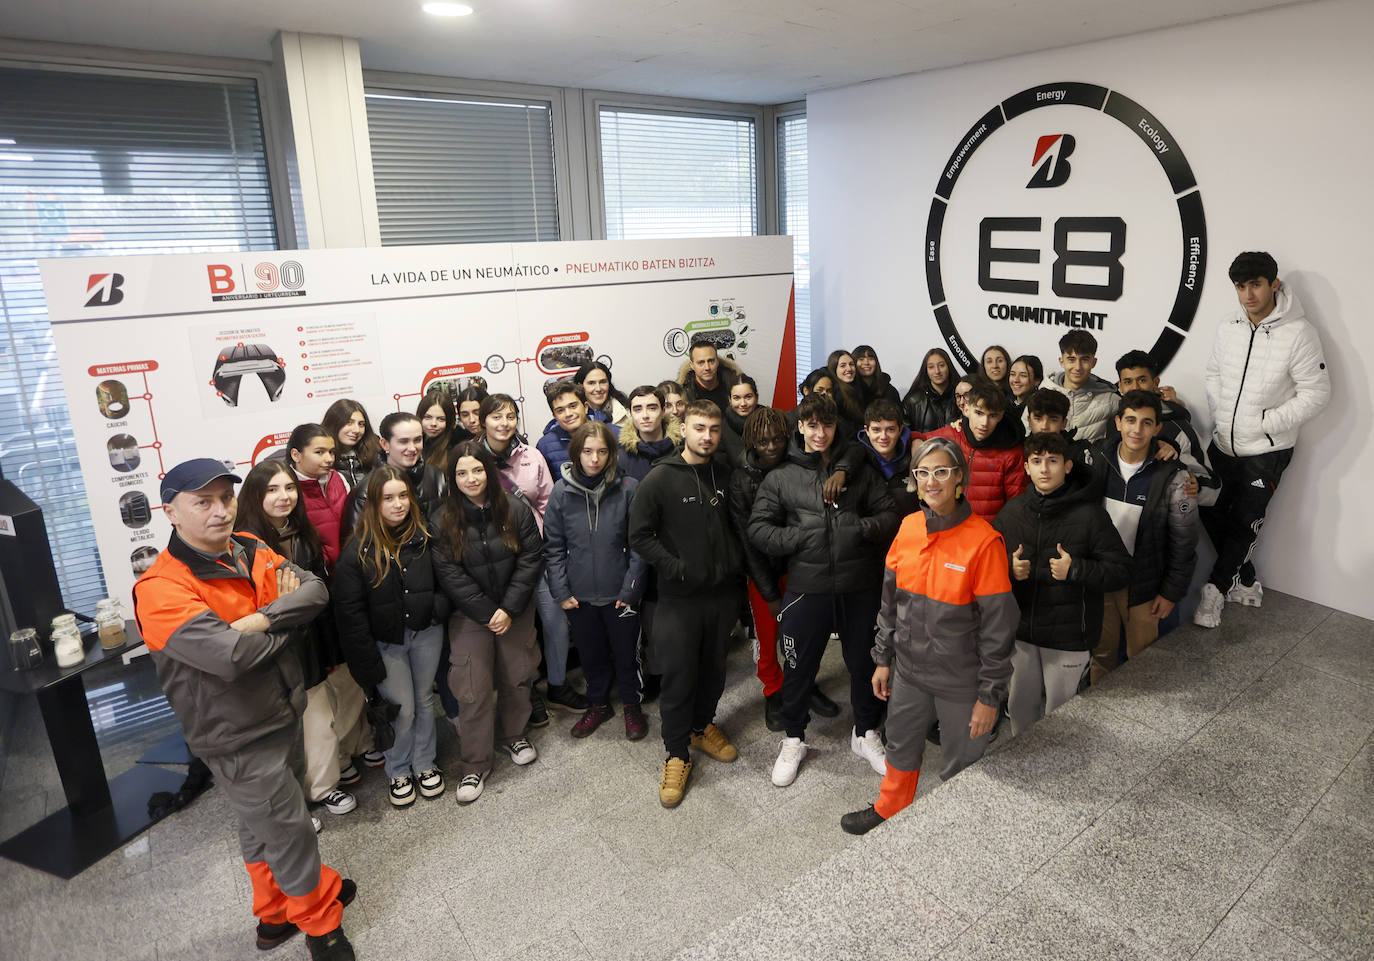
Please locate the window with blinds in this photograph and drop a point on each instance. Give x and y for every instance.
(677, 175)
(461, 170)
(794, 219)
(102, 164)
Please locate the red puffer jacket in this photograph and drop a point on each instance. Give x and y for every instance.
(324, 506)
(997, 467)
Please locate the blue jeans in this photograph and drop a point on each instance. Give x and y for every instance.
(556, 635)
(409, 682)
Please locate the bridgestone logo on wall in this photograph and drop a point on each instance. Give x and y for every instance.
(1076, 209)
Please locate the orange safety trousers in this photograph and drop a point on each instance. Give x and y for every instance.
(316, 913)
(897, 792)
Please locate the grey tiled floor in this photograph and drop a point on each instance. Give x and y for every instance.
(1210, 800)
(569, 858)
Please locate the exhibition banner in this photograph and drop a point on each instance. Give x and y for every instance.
(220, 355)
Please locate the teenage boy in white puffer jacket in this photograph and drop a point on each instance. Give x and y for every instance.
(1265, 379)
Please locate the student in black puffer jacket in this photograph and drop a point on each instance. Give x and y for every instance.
(765, 449)
(929, 401)
(834, 578)
(390, 616)
(489, 558)
(1065, 554)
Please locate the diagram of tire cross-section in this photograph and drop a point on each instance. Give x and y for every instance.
(260, 359)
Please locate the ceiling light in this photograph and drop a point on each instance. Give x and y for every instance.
(446, 9)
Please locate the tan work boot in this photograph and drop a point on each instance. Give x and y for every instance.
(715, 744)
(673, 783)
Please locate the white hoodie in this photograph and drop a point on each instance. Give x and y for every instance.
(1265, 382)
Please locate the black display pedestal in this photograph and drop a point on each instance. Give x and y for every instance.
(100, 815)
(171, 749)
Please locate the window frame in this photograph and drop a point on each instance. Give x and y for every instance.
(378, 81)
(780, 114)
(595, 100)
(109, 61)
(112, 62)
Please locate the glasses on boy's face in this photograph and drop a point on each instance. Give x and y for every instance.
(962, 394)
(939, 473)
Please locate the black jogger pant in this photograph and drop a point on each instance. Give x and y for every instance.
(607, 641)
(1234, 521)
(688, 649)
(807, 621)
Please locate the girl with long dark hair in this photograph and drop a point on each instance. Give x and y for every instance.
(595, 576)
(1025, 377)
(489, 556)
(996, 365)
(356, 448)
(844, 373)
(390, 614)
(435, 411)
(602, 397)
(334, 723)
(873, 383)
(469, 410)
(929, 402)
(310, 451)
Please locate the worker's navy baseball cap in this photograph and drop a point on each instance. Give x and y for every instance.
(192, 475)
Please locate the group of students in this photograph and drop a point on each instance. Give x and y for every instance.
(981, 542)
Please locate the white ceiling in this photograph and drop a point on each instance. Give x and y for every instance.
(757, 51)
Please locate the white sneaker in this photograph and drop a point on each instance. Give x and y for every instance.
(521, 752)
(349, 776)
(402, 790)
(316, 823)
(1252, 596)
(1208, 613)
(374, 758)
(789, 759)
(431, 782)
(870, 748)
(339, 802)
(470, 788)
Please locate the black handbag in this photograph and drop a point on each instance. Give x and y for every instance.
(380, 714)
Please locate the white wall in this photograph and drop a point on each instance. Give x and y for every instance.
(1273, 112)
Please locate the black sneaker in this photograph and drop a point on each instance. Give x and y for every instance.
(539, 713)
(772, 711)
(275, 935)
(861, 822)
(333, 946)
(822, 705)
(566, 696)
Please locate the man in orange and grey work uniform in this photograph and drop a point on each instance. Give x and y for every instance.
(216, 609)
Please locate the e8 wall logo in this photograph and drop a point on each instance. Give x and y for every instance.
(260, 282)
(1075, 209)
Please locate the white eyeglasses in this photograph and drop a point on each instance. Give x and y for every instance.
(939, 473)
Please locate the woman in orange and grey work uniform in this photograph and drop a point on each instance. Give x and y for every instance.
(945, 632)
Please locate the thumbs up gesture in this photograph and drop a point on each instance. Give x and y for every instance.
(1059, 566)
(1020, 567)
